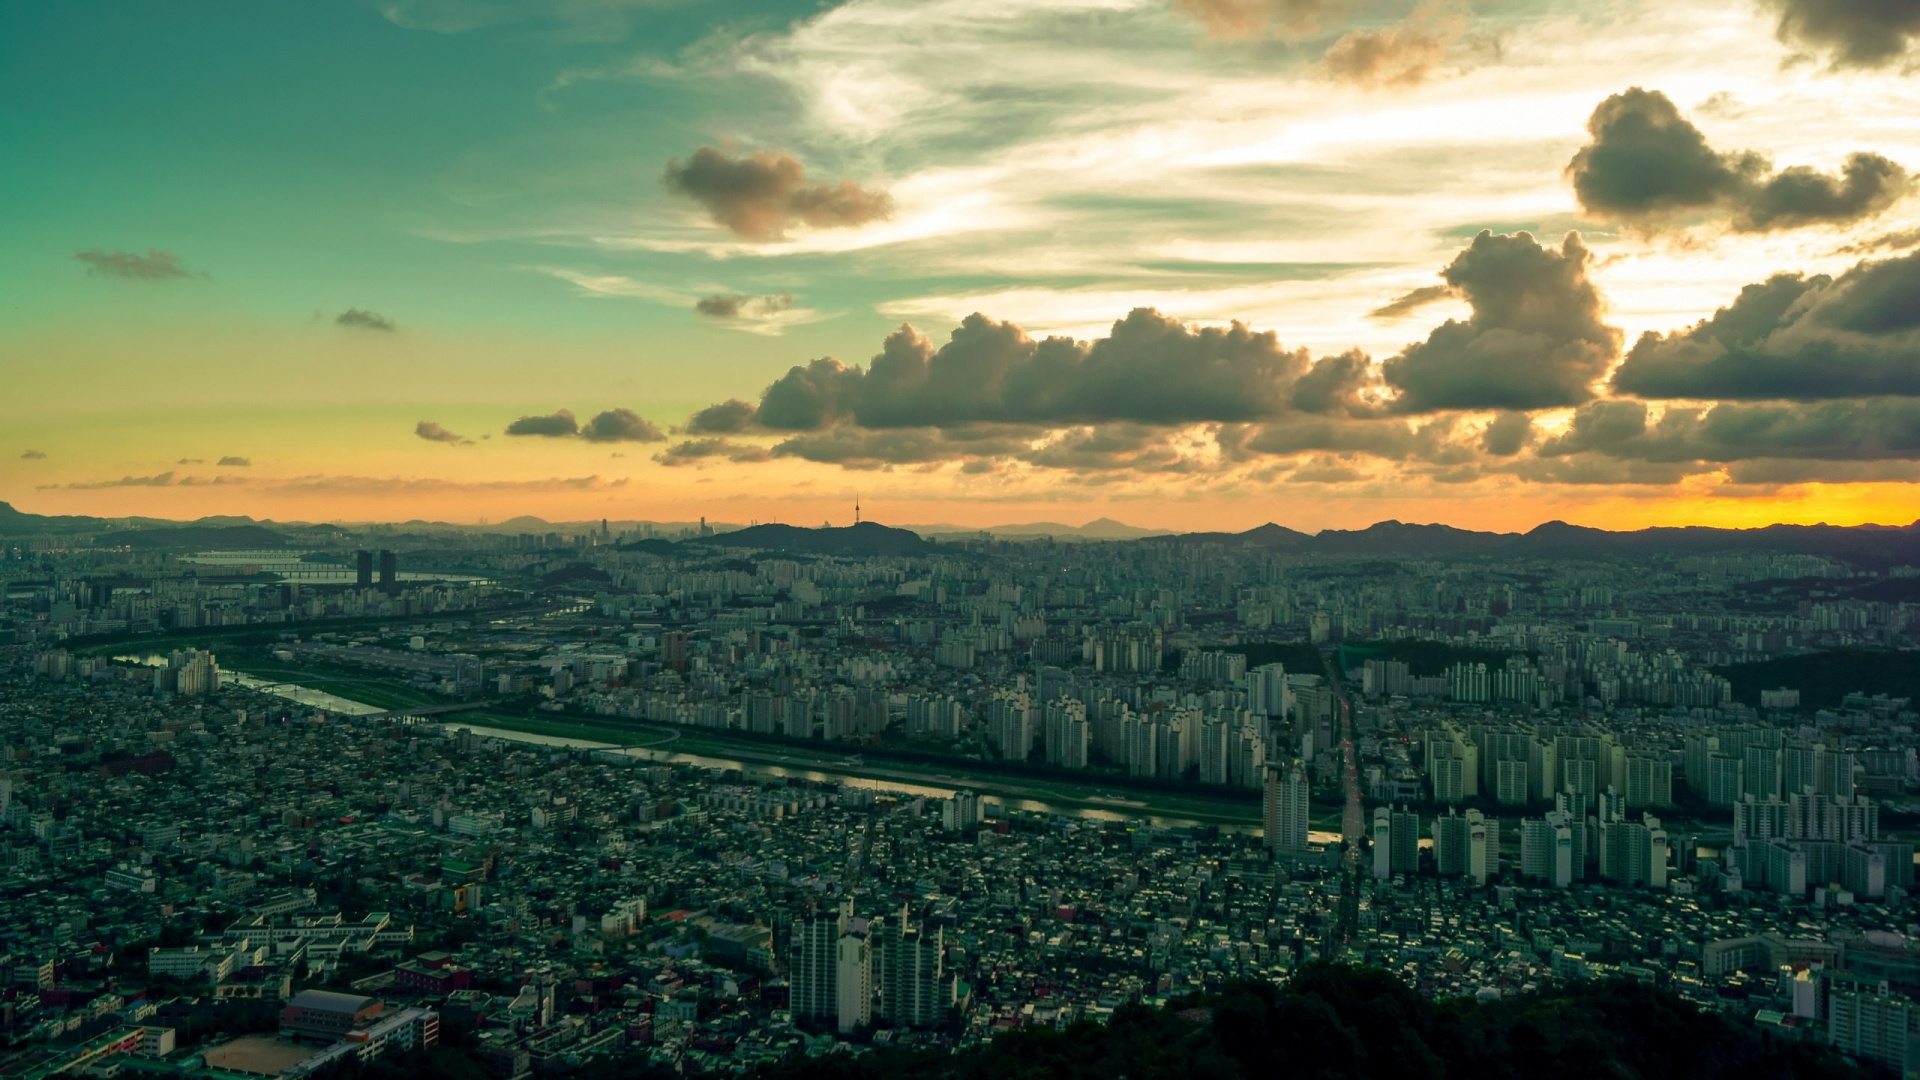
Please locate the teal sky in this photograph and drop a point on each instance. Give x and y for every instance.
(487, 177)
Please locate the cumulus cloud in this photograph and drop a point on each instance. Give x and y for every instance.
(1412, 302)
(1535, 340)
(32, 455)
(235, 460)
(1507, 434)
(1874, 429)
(620, 425)
(726, 306)
(1648, 166)
(762, 195)
(1343, 384)
(1150, 368)
(729, 417)
(153, 266)
(364, 320)
(555, 425)
(432, 432)
(1793, 337)
(700, 451)
(1853, 33)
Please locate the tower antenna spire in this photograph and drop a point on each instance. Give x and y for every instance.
(856, 508)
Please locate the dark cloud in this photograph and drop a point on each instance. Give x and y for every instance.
(858, 448)
(1649, 166)
(153, 266)
(697, 451)
(1853, 33)
(557, 425)
(1337, 384)
(762, 195)
(1793, 337)
(191, 461)
(729, 417)
(1893, 241)
(1535, 339)
(1111, 447)
(1778, 471)
(1591, 468)
(1507, 434)
(727, 306)
(1602, 425)
(621, 425)
(32, 455)
(432, 432)
(1874, 429)
(1413, 301)
(234, 460)
(1149, 369)
(364, 320)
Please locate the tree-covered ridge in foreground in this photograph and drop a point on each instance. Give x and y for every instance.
(1327, 1023)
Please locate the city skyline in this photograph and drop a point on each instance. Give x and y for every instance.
(1186, 264)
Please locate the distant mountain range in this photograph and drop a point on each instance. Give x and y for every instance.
(1865, 545)
(1097, 529)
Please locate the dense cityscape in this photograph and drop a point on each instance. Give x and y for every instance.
(960, 540)
(712, 797)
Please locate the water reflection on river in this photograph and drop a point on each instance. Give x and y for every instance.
(816, 773)
(908, 787)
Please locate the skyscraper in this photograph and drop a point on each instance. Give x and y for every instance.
(813, 960)
(914, 988)
(1285, 809)
(363, 569)
(853, 982)
(1382, 843)
(389, 573)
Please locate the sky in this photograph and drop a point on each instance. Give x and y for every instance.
(1189, 264)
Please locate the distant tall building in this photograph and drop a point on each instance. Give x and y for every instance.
(389, 573)
(853, 982)
(914, 988)
(1285, 809)
(1483, 847)
(1382, 843)
(363, 569)
(1452, 844)
(813, 963)
(1406, 842)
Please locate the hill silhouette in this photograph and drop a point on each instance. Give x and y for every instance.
(1326, 1023)
(866, 538)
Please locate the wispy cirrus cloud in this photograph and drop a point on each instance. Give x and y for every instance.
(768, 315)
(155, 265)
(165, 479)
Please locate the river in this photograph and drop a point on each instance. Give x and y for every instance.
(940, 787)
